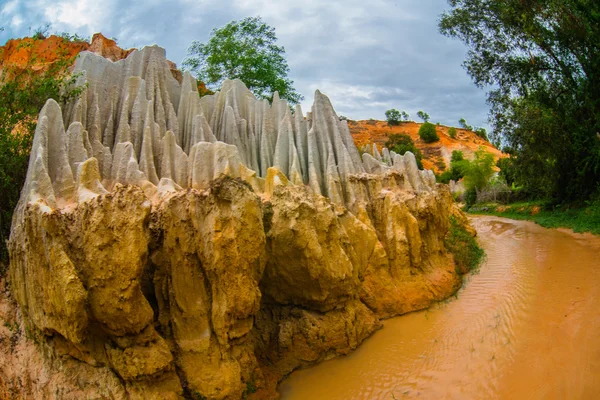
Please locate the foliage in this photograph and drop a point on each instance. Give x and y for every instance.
(479, 171)
(482, 133)
(508, 170)
(470, 197)
(423, 115)
(457, 156)
(393, 116)
(405, 116)
(468, 255)
(427, 133)
(23, 92)
(463, 124)
(458, 166)
(541, 58)
(400, 143)
(250, 388)
(452, 132)
(247, 50)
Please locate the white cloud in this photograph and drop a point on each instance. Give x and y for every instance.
(77, 14)
(10, 7)
(16, 21)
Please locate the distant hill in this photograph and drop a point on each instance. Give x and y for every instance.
(436, 156)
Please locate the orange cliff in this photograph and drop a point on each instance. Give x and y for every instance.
(40, 54)
(437, 155)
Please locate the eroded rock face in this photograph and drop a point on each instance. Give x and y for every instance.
(190, 246)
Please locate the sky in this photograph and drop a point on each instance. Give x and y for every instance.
(366, 56)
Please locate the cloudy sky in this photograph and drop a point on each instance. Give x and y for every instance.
(367, 56)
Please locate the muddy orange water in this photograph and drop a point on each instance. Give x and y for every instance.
(526, 327)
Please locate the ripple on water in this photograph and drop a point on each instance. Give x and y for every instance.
(526, 326)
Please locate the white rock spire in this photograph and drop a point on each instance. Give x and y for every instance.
(141, 127)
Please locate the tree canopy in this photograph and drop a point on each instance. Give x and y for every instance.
(393, 116)
(541, 59)
(428, 133)
(247, 50)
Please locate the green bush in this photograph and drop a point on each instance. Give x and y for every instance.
(400, 143)
(457, 155)
(508, 171)
(452, 132)
(458, 166)
(23, 93)
(393, 116)
(468, 256)
(470, 197)
(480, 170)
(482, 133)
(427, 133)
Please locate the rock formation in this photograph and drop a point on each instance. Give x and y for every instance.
(168, 246)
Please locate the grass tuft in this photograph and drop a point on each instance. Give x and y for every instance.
(468, 256)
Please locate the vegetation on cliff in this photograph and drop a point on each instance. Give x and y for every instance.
(427, 133)
(23, 91)
(401, 143)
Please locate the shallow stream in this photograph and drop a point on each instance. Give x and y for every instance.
(527, 326)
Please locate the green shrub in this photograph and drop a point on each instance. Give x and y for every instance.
(427, 133)
(400, 143)
(393, 116)
(445, 177)
(482, 133)
(452, 132)
(457, 155)
(480, 170)
(470, 197)
(468, 255)
(508, 171)
(23, 92)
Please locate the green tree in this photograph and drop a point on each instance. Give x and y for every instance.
(479, 171)
(405, 116)
(542, 61)
(400, 143)
(247, 50)
(507, 170)
(463, 124)
(458, 166)
(428, 133)
(423, 115)
(393, 116)
(23, 92)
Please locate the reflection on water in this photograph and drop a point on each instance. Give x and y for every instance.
(526, 327)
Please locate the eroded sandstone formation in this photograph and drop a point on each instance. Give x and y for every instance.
(174, 246)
